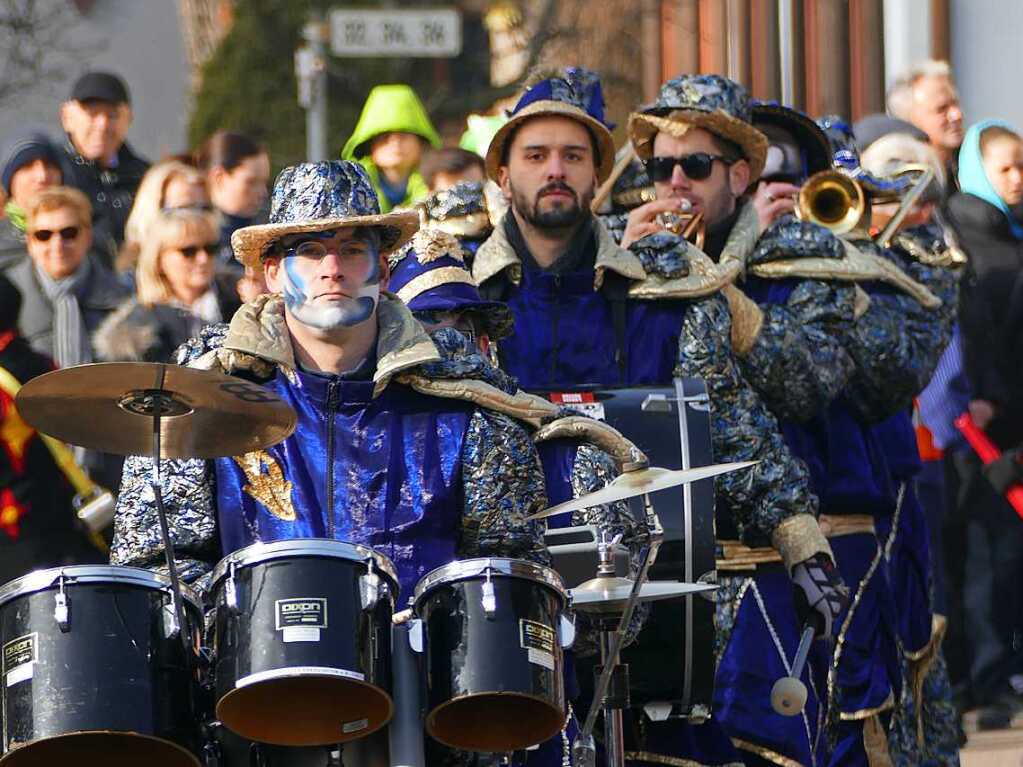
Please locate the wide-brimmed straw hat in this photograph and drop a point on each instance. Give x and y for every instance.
(321, 196)
(574, 93)
(711, 102)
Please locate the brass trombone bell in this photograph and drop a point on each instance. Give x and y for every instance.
(833, 200)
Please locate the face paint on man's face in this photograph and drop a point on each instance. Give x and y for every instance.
(360, 277)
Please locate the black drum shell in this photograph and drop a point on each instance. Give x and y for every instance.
(247, 641)
(482, 661)
(113, 671)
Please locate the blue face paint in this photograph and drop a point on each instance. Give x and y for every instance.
(335, 314)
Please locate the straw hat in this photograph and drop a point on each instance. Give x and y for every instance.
(574, 93)
(711, 102)
(317, 197)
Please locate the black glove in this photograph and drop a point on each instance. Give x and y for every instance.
(1006, 471)
(820, 594)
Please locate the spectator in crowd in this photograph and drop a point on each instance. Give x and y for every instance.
(926, 96)
(443, 168)
(169, 184)
(991, 325)
(30, 164)
(38, 526)
(66, 294)
(237, 174)
(389, 140)
(96, 118)
(176, 290)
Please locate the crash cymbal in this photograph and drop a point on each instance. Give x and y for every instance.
(109, 407)
(611, 594)
(636, 483)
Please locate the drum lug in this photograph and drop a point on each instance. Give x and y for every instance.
(231, 590)
(170, 621)
(369, 587)
(566, 631)
(489, 598)
(415, 635)
(62, 607)
(699, 714)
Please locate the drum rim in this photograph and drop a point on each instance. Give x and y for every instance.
(461, 569)
(42, 580)
(257, 553)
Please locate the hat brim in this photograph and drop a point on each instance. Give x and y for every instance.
(808, 134)
(549, 108)
(250, 242)
(644, 127)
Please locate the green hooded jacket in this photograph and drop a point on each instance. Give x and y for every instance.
(391, 108)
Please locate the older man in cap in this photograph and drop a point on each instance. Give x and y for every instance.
(97, 160)
(357, 368)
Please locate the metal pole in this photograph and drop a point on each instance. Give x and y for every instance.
(786, 52)
(316, 34)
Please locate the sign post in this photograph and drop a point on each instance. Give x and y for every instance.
(311, 72)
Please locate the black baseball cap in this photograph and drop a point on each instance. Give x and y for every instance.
(100, 86)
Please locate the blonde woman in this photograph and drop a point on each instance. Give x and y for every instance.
(176, 290)
(168, 185)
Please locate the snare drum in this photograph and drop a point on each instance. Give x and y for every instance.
(302, 641)
(94, 670)
(493, 653)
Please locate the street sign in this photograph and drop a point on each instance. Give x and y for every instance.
(357, 32)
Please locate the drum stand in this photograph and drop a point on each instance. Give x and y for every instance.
(611, 692)
(159, 402)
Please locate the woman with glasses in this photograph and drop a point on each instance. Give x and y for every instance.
(66, 293)
(176, 290)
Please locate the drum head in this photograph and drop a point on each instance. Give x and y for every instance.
(494, 722)
(100, 749)
(305, 710)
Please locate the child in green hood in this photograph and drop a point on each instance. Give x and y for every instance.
(389, 139)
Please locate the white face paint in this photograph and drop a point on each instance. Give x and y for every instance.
(332, 304)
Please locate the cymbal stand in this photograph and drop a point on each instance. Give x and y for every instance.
(584, 752)
(157, 400)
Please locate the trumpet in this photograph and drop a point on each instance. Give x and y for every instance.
(686, 224)
(833, 200)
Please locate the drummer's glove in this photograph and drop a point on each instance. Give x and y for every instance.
(820, 594)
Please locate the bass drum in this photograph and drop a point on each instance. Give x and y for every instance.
(302, 641)
(494, 661)
(94, 670)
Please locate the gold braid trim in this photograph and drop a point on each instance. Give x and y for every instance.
(446, 275)
(867, 713)
(765, 753)
(875, 743)
(671, 761)
(524, 407)
(798, 538)
(597, 433)
(920, 663)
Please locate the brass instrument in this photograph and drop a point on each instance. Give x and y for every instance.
(833, 200)
(686, 224)
(925, 175)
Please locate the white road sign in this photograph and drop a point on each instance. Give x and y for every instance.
(387, 33)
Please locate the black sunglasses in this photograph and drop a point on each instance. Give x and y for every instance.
(697, 166)
(191, 251)
(67, 233)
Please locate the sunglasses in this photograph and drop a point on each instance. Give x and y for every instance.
(697, 166)
(67, 233)
(191, 251)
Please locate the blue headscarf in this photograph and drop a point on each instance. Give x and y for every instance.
(972, 178)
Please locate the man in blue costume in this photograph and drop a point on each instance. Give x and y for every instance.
(590, 312)
(698, 145)
(384, 453)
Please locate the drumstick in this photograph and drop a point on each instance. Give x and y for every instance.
(616, 172)
(788, 696)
